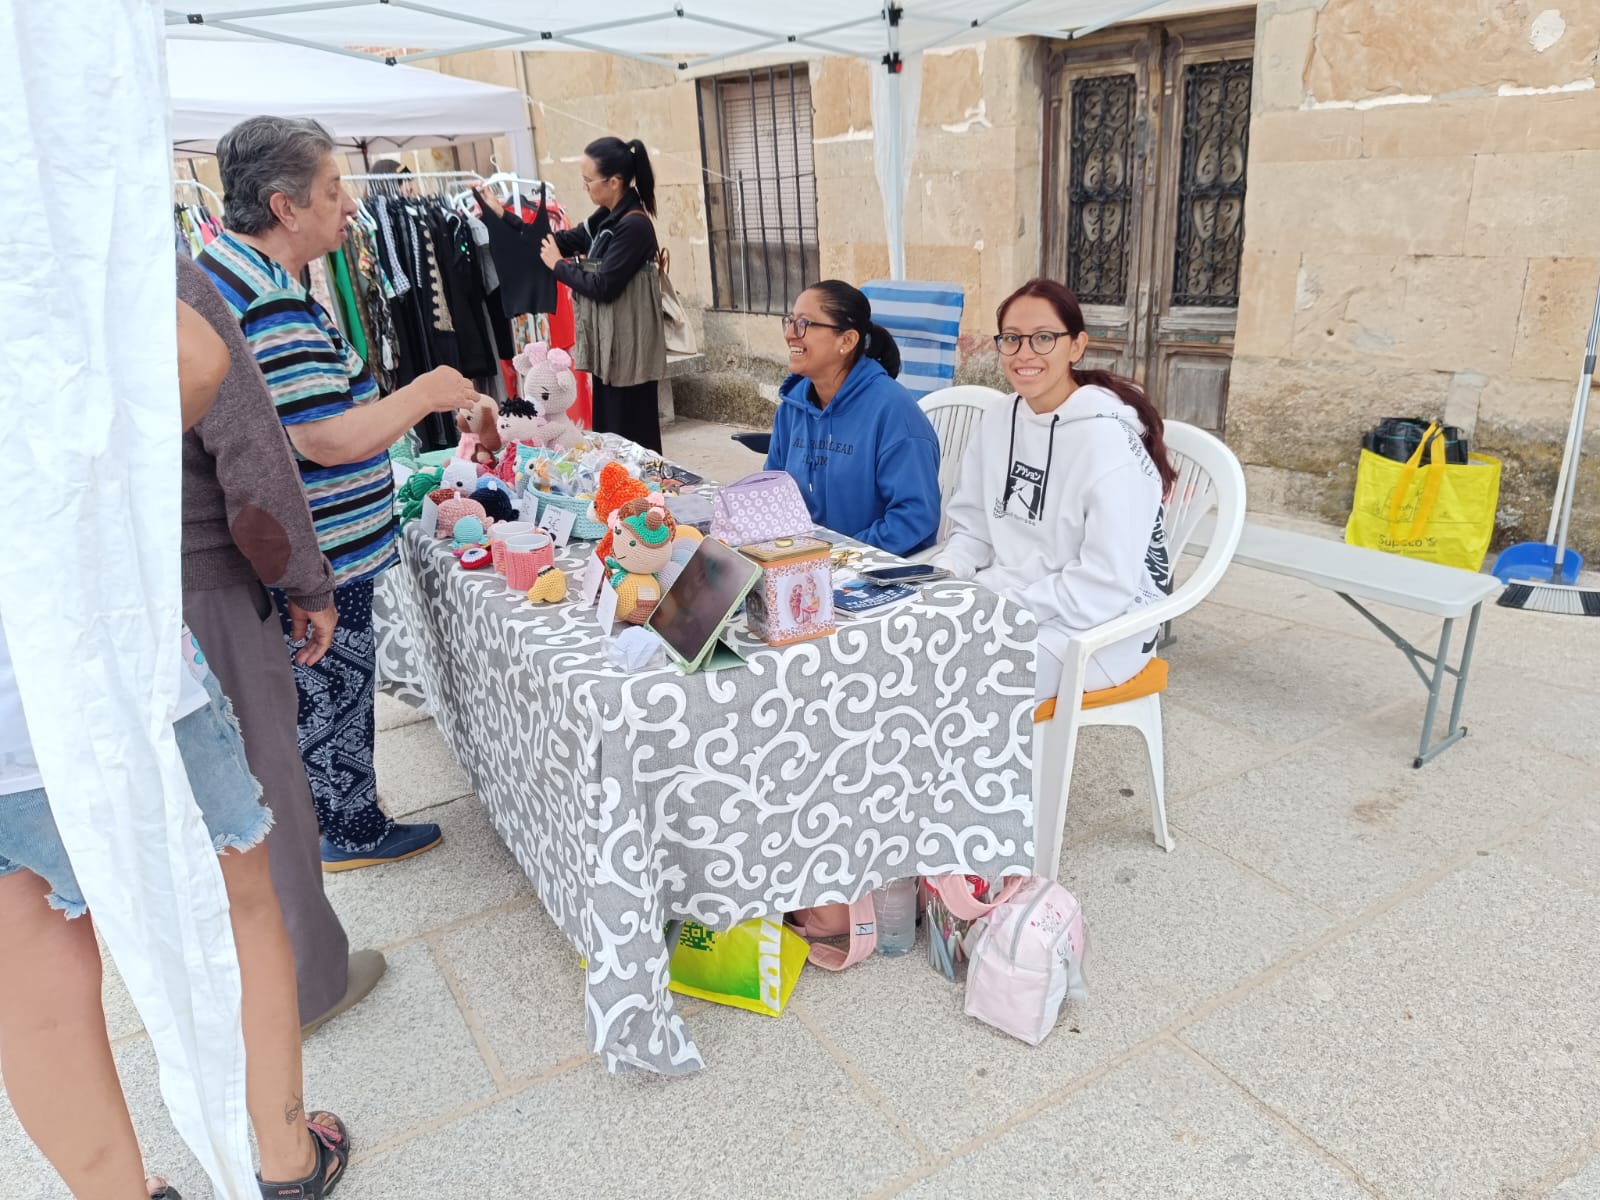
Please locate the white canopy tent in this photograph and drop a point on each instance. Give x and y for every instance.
(367, 106)
(690, 36)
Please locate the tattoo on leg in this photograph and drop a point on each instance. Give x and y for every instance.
(294, 1111)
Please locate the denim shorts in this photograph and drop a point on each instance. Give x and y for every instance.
(213, 757)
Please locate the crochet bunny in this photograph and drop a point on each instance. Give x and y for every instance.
(549, 388)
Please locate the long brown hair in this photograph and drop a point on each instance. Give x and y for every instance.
(1059, 297)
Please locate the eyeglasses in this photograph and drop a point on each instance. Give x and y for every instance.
(799, 325)
(1041, 343)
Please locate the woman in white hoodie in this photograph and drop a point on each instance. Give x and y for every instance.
(1059, 505)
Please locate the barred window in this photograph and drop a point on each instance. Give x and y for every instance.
(761, 187)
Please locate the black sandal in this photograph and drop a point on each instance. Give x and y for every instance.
(166, 1192)
(332, 1142)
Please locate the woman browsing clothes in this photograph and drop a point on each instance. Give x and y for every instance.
(621, 340)
(1059, 505)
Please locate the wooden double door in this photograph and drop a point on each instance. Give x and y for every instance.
(1147, 138)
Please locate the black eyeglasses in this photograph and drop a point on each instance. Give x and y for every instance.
(1041, 343)
(799, 325)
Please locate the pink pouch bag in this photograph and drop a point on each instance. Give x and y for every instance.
(1028, 960)
(856, 921)
(759, 508)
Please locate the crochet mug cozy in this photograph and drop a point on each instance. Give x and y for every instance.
(525, 555)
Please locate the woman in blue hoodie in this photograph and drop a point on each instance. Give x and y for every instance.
(865, 456)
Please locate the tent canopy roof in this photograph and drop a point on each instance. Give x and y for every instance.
(659, 31)
(215, 84)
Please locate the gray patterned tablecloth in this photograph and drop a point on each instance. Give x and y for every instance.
(899, 746)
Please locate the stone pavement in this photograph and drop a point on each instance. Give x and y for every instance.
(1349, 979)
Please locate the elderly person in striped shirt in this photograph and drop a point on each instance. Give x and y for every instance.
(284, 207)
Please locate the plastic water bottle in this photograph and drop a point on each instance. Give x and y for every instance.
(894, 907)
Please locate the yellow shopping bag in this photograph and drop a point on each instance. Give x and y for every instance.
(753, 966)
(1439, 512)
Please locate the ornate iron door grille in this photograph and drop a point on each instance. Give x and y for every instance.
(1216, 135)
(1100, 192)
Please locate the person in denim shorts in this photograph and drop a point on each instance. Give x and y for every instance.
(60, 1075)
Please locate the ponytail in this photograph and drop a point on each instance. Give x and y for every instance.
(848, 308)
(879, 345)
(1060, 298)
(628, 161)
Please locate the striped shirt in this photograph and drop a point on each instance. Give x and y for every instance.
(314, 374)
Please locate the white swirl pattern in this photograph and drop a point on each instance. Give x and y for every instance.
(901, 745)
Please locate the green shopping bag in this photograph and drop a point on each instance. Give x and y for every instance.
(753, 966)
(1439, 512)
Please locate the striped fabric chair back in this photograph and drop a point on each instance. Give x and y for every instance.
(925, 319)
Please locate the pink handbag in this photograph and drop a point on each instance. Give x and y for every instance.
(759, 508)
(856, 921)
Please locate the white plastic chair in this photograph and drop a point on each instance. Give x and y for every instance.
(955, 413)
(1209, 477)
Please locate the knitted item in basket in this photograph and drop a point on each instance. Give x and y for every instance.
(585, 528)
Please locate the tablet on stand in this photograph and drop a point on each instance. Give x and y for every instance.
(694, 612)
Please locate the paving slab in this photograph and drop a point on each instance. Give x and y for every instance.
(1160, 1125)
(1450, 1049)
(1567, 843)
(1166, 931)
(1292, 686)
(1346, 825)
(470, 872)
(416, 769)
(778, 1119)
(391, 712)
(708, 448)
(401, 1058)
(1583, 1185)
(523, 982)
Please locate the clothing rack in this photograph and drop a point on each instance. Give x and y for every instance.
(424, 181)
(202, 188)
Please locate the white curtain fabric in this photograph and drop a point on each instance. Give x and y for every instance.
(896, 100)
(89, 581)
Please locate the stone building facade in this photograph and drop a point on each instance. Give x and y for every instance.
(1420, 202)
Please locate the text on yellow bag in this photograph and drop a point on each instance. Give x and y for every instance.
(1438, 512)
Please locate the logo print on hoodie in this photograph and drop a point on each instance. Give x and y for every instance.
(1024, 494)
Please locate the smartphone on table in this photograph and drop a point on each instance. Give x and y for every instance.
(911, 573)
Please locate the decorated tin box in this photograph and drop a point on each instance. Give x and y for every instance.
(794, 600)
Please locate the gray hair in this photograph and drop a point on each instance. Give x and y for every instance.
(262, 157)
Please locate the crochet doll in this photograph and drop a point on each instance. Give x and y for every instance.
(641, 546)
(616, 488)
(480, 434)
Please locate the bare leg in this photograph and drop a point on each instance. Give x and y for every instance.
(275, 1090)
(54, 1048)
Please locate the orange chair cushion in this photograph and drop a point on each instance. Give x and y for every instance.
(1147, 682)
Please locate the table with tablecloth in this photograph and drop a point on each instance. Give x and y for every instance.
(900, 746)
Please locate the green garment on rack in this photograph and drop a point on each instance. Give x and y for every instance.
(339, 269)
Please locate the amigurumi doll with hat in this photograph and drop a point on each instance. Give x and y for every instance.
(641, 547)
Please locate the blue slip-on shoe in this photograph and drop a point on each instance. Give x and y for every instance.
(401, 842)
